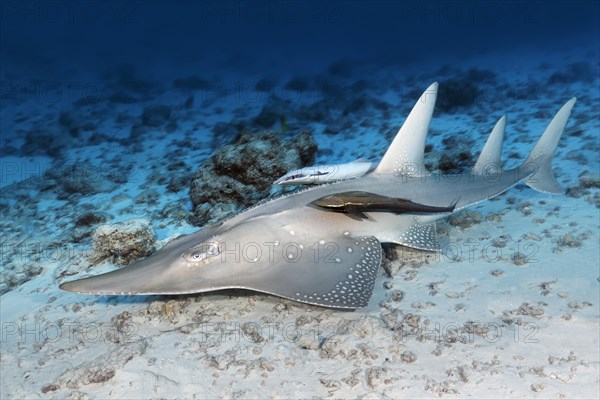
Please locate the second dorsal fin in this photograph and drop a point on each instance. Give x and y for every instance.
(490, 159)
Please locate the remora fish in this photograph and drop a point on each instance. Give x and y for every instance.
(356, 203)
(288, 248)
(317, 174)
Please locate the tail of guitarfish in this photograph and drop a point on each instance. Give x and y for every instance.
(538, 164)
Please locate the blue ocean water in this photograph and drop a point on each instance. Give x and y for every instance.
(300, 36)
(117, 110)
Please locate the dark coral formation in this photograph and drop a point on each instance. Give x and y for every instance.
(192, 83)
(455, 163)
(125, 242)
(576, 72)
(587, 188)
(73, 123)
(90, 218)
(464, 90)
(456, 93)
(465, 219)
(44, 140)
(272, 113)
(84, 225)
(52, 138)
(242, 173)
(156, 115)
(82, 178)
(126, 86)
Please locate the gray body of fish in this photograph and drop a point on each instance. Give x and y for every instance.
(289, 248)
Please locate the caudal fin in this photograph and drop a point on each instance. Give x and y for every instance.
(539, 162)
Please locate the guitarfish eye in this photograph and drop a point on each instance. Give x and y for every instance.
(205, 252)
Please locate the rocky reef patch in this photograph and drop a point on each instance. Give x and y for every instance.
(242, 173)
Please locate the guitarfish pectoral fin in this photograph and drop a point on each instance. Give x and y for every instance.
(337, 272)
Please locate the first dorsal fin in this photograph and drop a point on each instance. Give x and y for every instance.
(490, 159)
(405, 154)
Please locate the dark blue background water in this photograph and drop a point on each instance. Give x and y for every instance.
(47, 36)
(56, 55)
